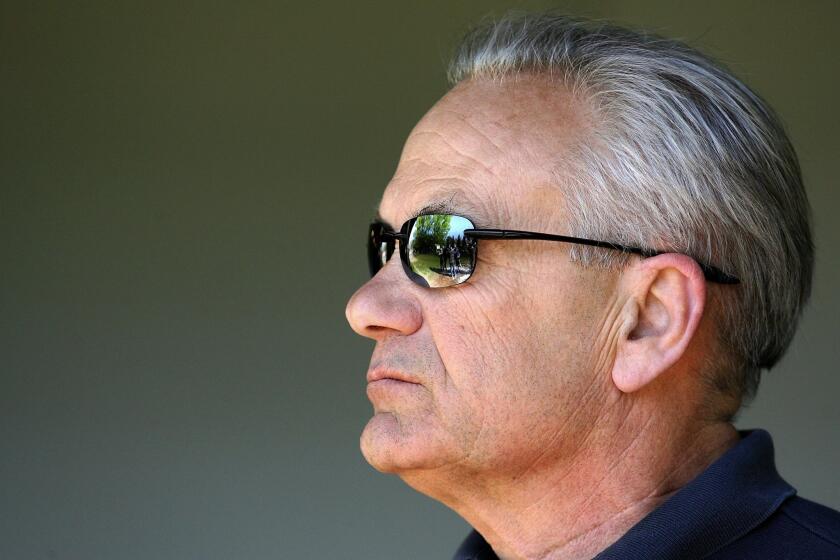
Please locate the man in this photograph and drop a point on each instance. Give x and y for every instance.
(640, 252)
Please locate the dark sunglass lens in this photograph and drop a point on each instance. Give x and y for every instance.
(379, 248)
(439, 252)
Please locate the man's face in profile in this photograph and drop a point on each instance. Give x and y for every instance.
(490, 374)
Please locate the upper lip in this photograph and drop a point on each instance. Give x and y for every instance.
(384, 373)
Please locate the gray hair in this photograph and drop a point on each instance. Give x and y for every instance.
(686, 158)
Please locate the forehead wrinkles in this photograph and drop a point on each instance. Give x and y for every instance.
(446, 159)
(489, 140)
(518, 130)
(448, 137)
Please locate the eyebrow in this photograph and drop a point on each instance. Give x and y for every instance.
(447, 206)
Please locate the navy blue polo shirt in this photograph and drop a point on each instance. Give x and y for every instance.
(738, 508)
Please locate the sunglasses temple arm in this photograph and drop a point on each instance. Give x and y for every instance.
(515, 234)
(711, 273)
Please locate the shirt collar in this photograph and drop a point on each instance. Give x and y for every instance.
(733, 495)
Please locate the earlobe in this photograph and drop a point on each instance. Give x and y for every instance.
(666, 299)
(630, 369)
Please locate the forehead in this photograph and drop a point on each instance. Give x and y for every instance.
(488, 150)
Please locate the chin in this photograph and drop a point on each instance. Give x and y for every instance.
(394, 446)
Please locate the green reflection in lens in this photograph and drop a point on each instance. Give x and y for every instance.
(438, 250)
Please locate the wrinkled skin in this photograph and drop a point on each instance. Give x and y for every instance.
(513, 363)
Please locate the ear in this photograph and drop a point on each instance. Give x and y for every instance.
(667, 295)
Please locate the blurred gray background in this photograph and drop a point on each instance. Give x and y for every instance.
(184, 193)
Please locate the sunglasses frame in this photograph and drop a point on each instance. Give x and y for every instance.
(390, 237)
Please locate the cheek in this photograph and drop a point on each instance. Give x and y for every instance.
(516, 353)
(478, 332)
(501, 347)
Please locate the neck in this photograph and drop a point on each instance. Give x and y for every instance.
(575, 507)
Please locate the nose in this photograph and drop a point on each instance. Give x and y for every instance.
(385, 305)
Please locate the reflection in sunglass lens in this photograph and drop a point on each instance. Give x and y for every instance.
(439, 252)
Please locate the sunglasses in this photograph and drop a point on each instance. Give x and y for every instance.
(439, 250)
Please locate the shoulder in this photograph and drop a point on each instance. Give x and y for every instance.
(816, 518)
(799, 528)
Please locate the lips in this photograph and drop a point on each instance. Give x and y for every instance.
(379, 374)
